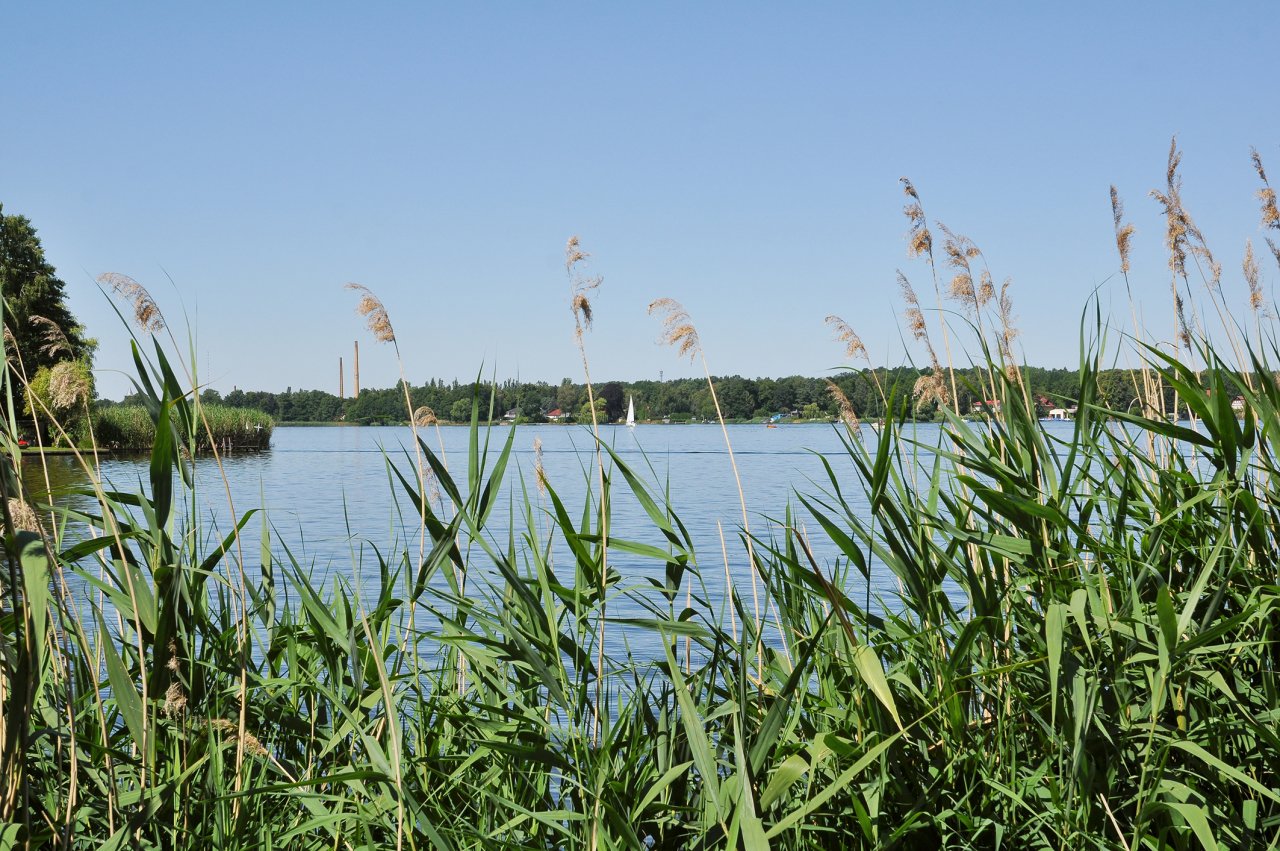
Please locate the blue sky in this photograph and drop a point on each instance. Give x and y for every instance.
(245, 161)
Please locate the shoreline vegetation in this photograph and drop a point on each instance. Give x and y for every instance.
(676, 401)
(1108, 676)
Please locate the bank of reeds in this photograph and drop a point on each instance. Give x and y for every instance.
(133, 427)
(1082, 654)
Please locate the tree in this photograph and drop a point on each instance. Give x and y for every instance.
(612, 395)
(44, 332)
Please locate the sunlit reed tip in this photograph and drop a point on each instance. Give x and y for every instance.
(1267, 195)
(1250, 266)
(1124, 231)
(847, 414)
(853, 347)
(370, 307)
(579, 285)
(424, 416)
(68, 386)
(539, 472)
(677, 328)
(145, 312)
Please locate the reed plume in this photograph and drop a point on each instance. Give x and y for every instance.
(424, 417)
(847, 415)
(539, 472)
(581, 286)
(146, 314)
(52, 338)
(920, 244)
(678, 331)
(1267, 195)
(853, 348)
(68, 386)
(1124, 230)
(1250, 268)
(375, 313)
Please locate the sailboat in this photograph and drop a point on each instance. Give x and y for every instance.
(631, 412)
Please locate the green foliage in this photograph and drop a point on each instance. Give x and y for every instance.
(44, 333)
(1082, 653)
(133, 427)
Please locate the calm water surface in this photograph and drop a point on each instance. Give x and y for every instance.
(330, 496)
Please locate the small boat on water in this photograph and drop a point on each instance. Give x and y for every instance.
(631, 412)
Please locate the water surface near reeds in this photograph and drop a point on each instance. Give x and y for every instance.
(331, 500)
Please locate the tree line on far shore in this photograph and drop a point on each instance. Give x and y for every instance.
(676, 400)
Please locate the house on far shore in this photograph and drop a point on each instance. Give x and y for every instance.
(556, 415)
(986, 406)
(1059, 414)
(1237, 404)
(510, 416)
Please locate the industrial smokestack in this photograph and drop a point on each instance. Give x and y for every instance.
(357, 370)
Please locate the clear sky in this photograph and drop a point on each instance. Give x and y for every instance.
(246, 160)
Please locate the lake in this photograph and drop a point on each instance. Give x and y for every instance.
(329, 494)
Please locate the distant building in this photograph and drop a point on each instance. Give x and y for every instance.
(1059, 414)
(556, 415)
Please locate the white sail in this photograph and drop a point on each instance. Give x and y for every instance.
(631, 411)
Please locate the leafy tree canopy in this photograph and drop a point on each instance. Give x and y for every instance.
(40, 330)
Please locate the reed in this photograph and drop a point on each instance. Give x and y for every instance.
(1082, 653)
(132, 427)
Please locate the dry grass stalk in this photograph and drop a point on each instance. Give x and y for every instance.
(1124, 231)
(679, 332)
(1267, 195)
(145, 311)
(230, 731)
(23, 516)
(677, 328)
(853, 347)
(580, 286)
(847, 415)
(539, 472)
(68, 386)
(375, 314)
(919, 239)
(52, 338)
(1250, 267)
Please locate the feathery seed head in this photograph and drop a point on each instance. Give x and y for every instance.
(540, 473)
(68, 385)
(375, 313)
(175, 700)
(677, 328)
(52, 337)
(852, 342)
(908, 189)
(1124, 232)
(931, 388)
(24, 518)
(1270, 214)
(961, 288)
(424, 416)
(986, 290)
(1251, 277)
(847, 414)
(145, 312)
